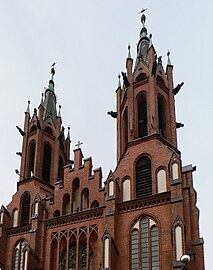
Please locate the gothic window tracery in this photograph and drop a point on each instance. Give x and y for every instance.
(145, 245)
(72, 257)
(20, 256)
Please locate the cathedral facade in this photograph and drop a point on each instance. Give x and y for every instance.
(144, 216)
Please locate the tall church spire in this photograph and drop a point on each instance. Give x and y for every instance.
(50, 99)
(144, 43)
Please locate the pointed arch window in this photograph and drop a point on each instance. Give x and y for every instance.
(178, 242)
(175, 173)
(162, 116)
(32, 147)
(85, 199)
(76, 195)
(46, 162)
(145, 245)
(1, 217)
(15, 218)
(20, 256)
(106, 252)
(111, 188)
(142, 115)
(125, 128)
(126, 190)
(25, 210)
(66, 204)
(161, 181)
(143, 178)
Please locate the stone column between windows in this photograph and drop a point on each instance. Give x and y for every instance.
(77, 251)
(67, 252)
(88, 251)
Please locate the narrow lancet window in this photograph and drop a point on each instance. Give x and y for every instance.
(46, 162)
(142, 116)
(161, 181)
(25, 211)
(162, 116)
(31, 158)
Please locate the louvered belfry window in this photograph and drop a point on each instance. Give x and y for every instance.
(25, 213)
(143, 178)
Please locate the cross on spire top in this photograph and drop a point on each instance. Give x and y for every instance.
(78, 144)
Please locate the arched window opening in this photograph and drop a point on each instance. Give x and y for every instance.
(36, 210)
(1, 217)
(161, 181)
(76, 195)
(54, 244)
(85, 199)
(61, 170)
(32, 147)
(66, 204)
(162, 116)
(145, 245)
(106, 253)
(56, 213)
(95, 204)
(143, 178)
(33, 128)
(46, 162)
(15, 218)
(175, 173)
(25, 211)
(48, 130)
(20, 256)
(111, 188)
(142, 116)
(126, 190)
(125, 128)
(160, 79)
(140, 77)
(63, 254)
(178, 242)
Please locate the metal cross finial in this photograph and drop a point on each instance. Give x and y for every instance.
(53, 70)
(143, 10)
(79, 144)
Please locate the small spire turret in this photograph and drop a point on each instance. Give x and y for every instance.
(68, 133)
(168, 59)
(28, 107)
(129, 51)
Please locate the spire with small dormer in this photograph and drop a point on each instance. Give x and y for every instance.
(50, 98)
(144, 43)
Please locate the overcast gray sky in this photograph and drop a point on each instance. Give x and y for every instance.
(89, 41)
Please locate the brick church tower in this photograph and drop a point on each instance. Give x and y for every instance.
(144, 216)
